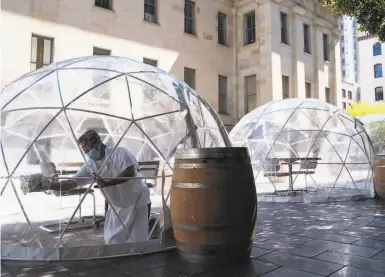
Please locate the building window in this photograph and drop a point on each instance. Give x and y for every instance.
(105, 4)
(189, 77)
(377, 49)
(150, 11)
(377, 70)
(326, 47)
(343, 93)
(285, 87)
(350, 95)
(379, 93)
(327, 95)
(189, 17)
(306, 38)
(222, 19)
(344, 105)
(101, 52)
(102, 91)
(308, 89)
(343, 61)
(250, 93)
(249, 26)
(284, 32)
(222, 93)
(150, 62)
(41, 52)
(358, 95)
(343, 73)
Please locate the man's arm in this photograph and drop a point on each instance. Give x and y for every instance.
(68, 184)
(128, 172)
(63, 185)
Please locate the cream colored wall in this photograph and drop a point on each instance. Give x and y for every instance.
(78, 26)
(270, 59)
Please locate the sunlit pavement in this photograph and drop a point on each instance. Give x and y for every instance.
(292, 240)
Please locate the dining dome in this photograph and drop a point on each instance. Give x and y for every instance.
(374, 125)
(129, 104)
(306, 150)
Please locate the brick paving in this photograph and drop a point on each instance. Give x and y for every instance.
(292, 240)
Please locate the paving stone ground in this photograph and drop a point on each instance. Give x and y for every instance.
(292, 240)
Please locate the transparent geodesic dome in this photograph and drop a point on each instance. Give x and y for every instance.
(130, 104)
(374, 125)
(306, 148)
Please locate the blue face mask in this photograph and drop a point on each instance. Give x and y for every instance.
(93, 154)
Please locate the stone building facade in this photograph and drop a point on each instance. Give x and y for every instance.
(238, 54)
(371, 60)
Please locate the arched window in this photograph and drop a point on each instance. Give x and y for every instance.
(379, 93)
(376, 49)
(377, 70)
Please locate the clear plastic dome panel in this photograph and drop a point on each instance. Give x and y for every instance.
(306, 147)
(129, 104)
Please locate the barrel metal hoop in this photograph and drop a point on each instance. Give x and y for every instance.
(208, 165)
(212, 228)
(207, 185)
(212, 249)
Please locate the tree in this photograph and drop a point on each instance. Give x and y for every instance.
(370, 14)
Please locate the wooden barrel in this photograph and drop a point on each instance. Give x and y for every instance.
(379, 176)
(213, 204)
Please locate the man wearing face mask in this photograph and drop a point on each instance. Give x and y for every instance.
(122, 193)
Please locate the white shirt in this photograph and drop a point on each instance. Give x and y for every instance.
(125, 194)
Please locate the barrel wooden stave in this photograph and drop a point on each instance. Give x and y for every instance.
(379, 177)
(213, 206)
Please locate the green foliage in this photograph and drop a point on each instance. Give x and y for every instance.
(370, 14)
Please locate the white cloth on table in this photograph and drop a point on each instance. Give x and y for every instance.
(122, 197)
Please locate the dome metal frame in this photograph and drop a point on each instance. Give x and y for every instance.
(193, 134)
(305, 130)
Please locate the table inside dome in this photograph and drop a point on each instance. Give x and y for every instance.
(290, 162)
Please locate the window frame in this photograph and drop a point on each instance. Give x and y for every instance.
(376, 66)
(327, 95)
(101, 4)
(146, 16)
(193, 71)
(377, 92)
(377, 51)
(284, 28)
(350, 95)
(104, 96)
(191, 4)
(326, 47)
(39, 62)
(151, 62)
(358, 96)
(222, 94)
(343, 93)
(100, 50)
(287, 87)
(247, 94)
(222, 30)
(306, 41)
(249, 30)
(308, 93)
(344, 105)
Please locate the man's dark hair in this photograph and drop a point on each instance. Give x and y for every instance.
(92, 137)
